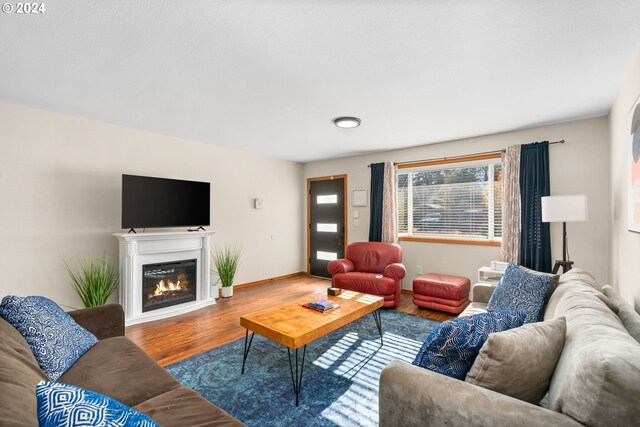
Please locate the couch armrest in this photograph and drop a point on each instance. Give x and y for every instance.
(395, 271)
(413, 396)
(105, 321)
(340, 266)
(482, 292)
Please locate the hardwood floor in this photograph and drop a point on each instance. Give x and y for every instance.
(177, 338)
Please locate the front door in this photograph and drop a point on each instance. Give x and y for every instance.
(327, 210)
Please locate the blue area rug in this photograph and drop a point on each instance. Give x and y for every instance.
(340, 379)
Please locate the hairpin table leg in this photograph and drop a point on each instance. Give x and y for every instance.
(378, 319)
(246, 348)
(297, 377)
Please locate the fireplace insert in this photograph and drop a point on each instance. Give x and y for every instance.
(168, 283)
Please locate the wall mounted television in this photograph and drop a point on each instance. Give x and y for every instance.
(149, 202)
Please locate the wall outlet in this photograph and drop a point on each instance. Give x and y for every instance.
(418, 270)
(356, 223)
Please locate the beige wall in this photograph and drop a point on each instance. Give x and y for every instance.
(60, 192)
(581, 166)
(625, 245)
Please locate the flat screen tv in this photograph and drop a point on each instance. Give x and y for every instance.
(149, 202)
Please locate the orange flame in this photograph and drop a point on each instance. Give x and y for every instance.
(162, 288)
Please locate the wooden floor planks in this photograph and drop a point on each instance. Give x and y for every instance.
(174, 339)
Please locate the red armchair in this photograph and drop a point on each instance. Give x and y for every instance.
(372, 268)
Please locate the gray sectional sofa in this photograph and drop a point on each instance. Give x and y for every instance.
(596, 381)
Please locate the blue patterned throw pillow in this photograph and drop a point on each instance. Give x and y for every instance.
(451, 348)
(66, 405)
(56, 340)
(521, 289)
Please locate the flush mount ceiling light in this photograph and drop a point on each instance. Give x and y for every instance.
(347, 122)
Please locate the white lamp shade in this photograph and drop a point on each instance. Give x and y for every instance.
(564, 208)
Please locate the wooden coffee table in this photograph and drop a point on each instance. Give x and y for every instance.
(294, 326)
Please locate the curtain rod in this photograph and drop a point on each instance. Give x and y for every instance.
(562, 141)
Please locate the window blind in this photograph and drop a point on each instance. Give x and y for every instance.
(460, 200)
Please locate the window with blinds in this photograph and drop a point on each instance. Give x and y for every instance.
(451, 201)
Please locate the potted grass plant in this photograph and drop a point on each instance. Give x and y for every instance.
(225, 261)
(95, 282)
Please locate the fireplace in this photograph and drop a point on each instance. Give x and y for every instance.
(168, 283)
(143, 252)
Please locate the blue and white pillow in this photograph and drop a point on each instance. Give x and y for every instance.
(451, 348)
(521, 289)
(66, 405)
(56, 340)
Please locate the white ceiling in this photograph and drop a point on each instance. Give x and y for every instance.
(268, 76)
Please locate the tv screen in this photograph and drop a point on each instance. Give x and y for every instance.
(149, 202)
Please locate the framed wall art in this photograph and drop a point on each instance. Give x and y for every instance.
(633, 199)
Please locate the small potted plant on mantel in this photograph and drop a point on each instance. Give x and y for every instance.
(226, 262)
(95, 282)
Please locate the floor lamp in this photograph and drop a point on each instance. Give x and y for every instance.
(564, 209)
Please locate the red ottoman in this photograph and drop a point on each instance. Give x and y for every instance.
(441, 292)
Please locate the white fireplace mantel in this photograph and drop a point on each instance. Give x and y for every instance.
(141, 249)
